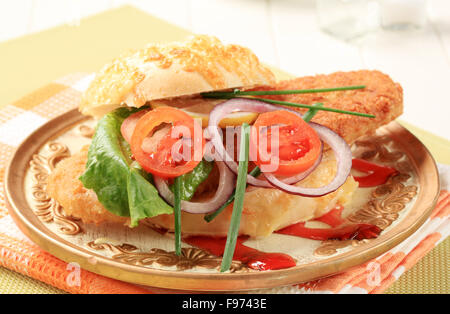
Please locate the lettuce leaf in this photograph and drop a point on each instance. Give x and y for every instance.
(143, 198)
(108, 162)
(191, 180)
(122, 189)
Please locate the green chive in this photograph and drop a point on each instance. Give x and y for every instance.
(241, 184)
(255, 172)
(177, 214)
(238, 92)
(286, 103)
(312, 112)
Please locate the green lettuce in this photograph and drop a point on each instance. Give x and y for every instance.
(191, 180)
(123, 189)
(143, 198)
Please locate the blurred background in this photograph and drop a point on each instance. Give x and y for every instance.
(407, 39)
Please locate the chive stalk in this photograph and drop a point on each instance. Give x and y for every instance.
(238, 195)
(209, 217)
(312, 112)
(238, 92)
(241, 185)
(292, 104)
(177, 214)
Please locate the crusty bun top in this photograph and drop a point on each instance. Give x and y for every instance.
(198, 65)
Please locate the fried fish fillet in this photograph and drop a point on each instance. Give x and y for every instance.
(381, 97)
(64, 186)
(265, 210)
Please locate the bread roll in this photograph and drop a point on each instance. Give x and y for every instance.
(198, 65)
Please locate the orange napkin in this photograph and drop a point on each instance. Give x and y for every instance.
(18, 253)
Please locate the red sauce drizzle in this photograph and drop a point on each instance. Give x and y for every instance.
(377, 174)
(251, 257)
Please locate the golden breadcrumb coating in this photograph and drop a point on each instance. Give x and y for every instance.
(382, 97)
(64, 186)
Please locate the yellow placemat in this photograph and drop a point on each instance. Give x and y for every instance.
(32, 61)
(430, 275)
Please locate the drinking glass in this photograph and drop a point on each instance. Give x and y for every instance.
(347, 19)
(403, 14)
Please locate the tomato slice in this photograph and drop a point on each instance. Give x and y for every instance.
(184, 134)
(298, 144)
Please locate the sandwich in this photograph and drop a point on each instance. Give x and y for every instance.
(178, 143)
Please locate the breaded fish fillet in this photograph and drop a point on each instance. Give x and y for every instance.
(64, 186)
(382, 97)
(265, 210)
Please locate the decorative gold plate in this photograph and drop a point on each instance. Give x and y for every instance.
(144, 256)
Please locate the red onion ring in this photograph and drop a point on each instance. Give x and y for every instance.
(338, 145)
(245, 104)
(295, 178)
(344, 164)
(223, 192)
(227, 107)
